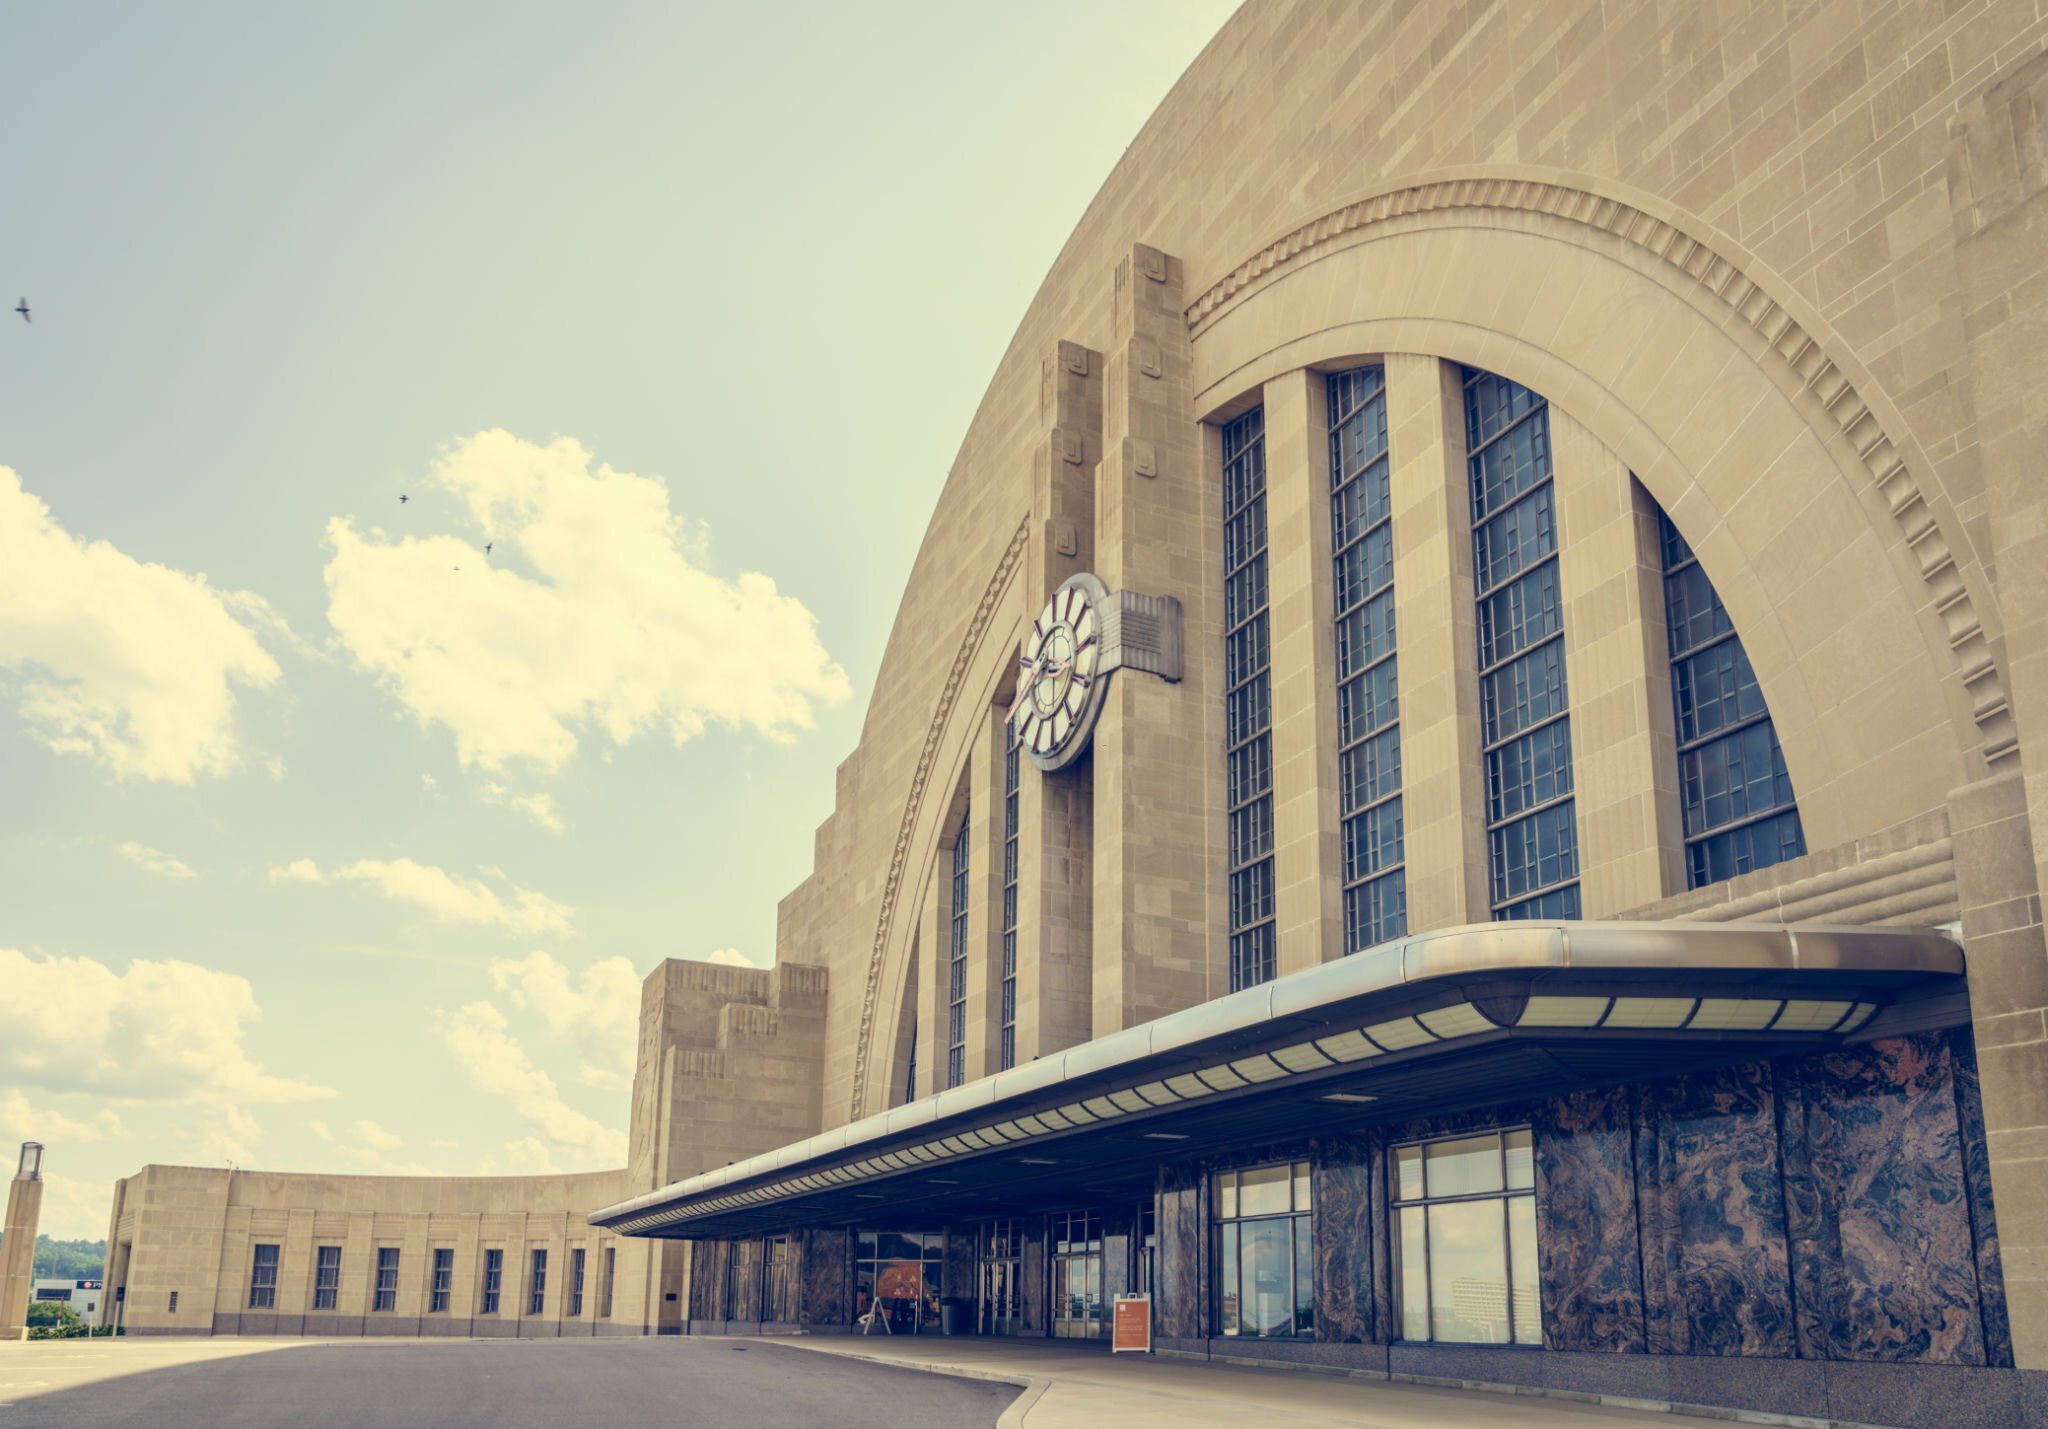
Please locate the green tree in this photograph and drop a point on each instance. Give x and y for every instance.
(53, 1320)
(69, 1259)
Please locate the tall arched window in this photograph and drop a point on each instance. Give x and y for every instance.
(1531, 827)
(1368, 703)
(956, 963)
(1248, 701)
(1738, 808)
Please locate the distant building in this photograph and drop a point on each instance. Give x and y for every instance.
(81, 1295)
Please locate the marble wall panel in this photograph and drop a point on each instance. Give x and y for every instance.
(1587, 1247)
(1032, 1229)
(1345, 1211)
(708, 1259)
(743, 1280)
(958, 1276)
(826, 1270)
(1977, 1184)
(1897, 1273)
(1179, 1312)
(1716, 1279)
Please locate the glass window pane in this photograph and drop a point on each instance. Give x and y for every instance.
(893, 1245)
(1263, 1191)
(1468, 1283)
(1464, 1167)
(1414, 1272)
(1226, 1283)
(1521, 1159)
(1408, 1173)
(1267, 1278)
(1226, 1195)
(1522, 1240)
(1301, 1186)
(1304, 1280)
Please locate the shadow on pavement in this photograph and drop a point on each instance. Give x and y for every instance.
(512, 1384)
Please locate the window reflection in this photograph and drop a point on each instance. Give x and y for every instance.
(1465, 1235)
(1265, 1254)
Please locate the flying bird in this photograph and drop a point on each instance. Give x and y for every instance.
(22, 308)
(487, 548)
(403, 499)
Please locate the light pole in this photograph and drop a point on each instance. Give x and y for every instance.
(18, 1241)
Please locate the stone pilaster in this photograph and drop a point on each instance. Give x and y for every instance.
(1999, 193)
(1624, 765)
(1055, 812)
(1307, 856)
(1158, 762)
(1442, 777)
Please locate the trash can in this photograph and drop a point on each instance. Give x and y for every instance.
(955, 1316)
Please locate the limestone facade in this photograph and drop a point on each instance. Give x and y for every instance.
(1777, 269)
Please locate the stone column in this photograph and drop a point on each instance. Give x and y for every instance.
(1443, 778)
(1308, 870)
(1158, 764)
(1055, 908)
(1999, 193)
(1624, 765)
(18, 1241)
(2007, 962)
(984, 890)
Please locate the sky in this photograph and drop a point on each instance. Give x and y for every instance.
(329, 841)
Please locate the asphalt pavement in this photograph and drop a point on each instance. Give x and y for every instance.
(503, 1384)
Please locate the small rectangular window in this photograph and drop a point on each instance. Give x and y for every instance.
(174, 1302)
(494, 1279)
(1465, 1239)
(575, 1282)
(611, 1265)
(326, 1276)
(263, 1279)
(387, 1278)
(444, 1281)
(536, 1291)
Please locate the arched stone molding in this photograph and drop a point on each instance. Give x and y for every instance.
(975, 671)
(1745, 431)
(1726, 285)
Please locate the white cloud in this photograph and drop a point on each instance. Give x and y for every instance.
(158, 1032)
(529, 1156)
(538, 807)
(75, 1209)
(482, 1043)
(155, 860)
(448, 898)
(21, 1121)
(599, 1014)
(620, 632)
(366, 1148)
(376, 1137)
(729, 958)
(132, 664)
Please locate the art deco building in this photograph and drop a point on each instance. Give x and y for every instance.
(1451, 792)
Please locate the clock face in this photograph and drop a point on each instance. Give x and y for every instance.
(1059, 675)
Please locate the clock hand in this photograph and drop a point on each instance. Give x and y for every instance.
(1024, 685)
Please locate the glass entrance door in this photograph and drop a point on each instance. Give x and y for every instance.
(1000, 1308)
(1077, 1276)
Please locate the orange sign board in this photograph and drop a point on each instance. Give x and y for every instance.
(900, 1280)
(1131, 1324)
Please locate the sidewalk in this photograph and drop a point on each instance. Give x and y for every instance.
(1084, 1387)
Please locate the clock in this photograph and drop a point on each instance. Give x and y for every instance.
(1062, 673)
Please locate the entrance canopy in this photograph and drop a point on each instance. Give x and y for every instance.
(1425, 1025)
